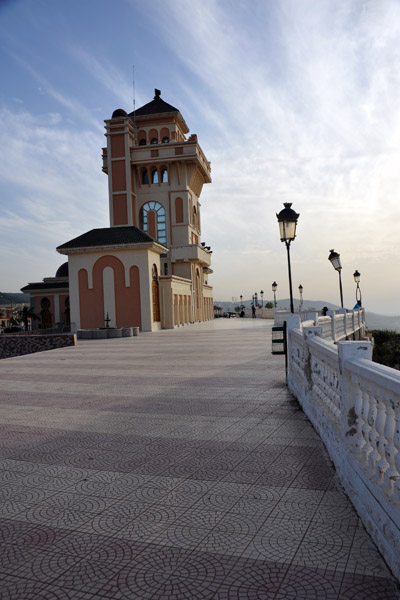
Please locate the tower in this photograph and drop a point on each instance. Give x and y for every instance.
(155, 177)
(149, 268)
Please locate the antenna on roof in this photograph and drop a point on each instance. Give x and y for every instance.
(134, 104)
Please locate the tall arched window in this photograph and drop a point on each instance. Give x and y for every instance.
(154, 176)
(194, 217)
(164, 175)
(164, 135)
(179, 210)
(145, 177)
(159, 211)
(142, 137)
(155, 294)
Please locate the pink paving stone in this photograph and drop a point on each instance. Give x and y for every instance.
(123, 475)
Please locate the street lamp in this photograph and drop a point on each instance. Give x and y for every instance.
(357, 277)
(334, 257)
(274, 288)
(287, 220)
(241, 300)
(256, 299)
(301, 297)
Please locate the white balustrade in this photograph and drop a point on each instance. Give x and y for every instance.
(354, 404)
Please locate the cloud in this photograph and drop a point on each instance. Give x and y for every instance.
(312, 119)
(71, 104)
(52, 189)
(110, 77)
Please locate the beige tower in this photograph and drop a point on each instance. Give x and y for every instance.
(155, 180)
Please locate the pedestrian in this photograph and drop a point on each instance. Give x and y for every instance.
(253, 311)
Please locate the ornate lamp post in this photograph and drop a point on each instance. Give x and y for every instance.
(334, 257)
(256, 299)
(301, 297)
(274, 288)
(287, 220)
(241, 300)
(357, 277)
(262, 298)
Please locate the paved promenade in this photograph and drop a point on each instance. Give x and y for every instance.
(174, 465)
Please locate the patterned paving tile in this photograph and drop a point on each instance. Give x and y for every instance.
(307, 584)
(132, 480)
(367, 587)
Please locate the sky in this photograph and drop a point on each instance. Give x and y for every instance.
(292, 101)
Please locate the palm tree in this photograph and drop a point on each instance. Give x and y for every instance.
(25, 314)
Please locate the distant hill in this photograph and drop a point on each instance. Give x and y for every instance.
(6, 297)
(285, 303)
(373, 320)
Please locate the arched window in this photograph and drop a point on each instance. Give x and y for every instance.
(194, 217)
(164, 175)
(164, 135)
(153, 136)
(45, 314)
(141, 137)
(159, 211)
(145, 177)
(155, 294)
(179, 210)
(154, 176)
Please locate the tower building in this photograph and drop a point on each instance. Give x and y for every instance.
(149, 268)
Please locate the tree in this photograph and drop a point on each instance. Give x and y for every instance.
(269, 305)
(25, 314)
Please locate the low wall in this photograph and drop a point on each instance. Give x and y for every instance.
(107, 333)
(261, 313)
(336, 325)
(16, 345)
(354, 404)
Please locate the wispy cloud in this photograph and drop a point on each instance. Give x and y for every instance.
(107, 74)
(52, 188)
(76, 108)
(314, 120)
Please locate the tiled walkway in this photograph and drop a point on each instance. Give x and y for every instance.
(173, 465)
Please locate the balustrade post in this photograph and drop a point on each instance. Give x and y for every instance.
(332, 314)
(312, 316)
(396, 440)
(354, 407)
(308, 333)
(391, 474)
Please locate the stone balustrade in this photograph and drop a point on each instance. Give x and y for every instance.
(354, 404)
(336, 325)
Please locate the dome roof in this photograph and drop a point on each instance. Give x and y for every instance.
(62, 271)
(119, 113)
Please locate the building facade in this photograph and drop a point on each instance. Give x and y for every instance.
(149, 268)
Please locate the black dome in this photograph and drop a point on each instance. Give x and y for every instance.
(63, 270)
(119, 113)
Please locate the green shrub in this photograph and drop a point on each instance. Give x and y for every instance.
(386, 347)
